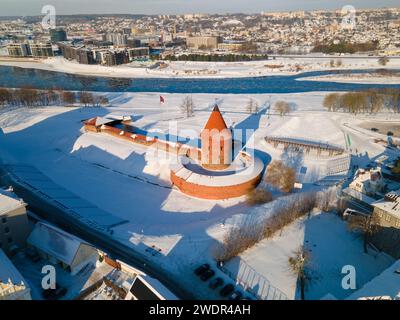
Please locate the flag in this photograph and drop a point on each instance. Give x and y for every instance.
(162, 100)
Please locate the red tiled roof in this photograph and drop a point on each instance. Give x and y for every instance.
(216, 121)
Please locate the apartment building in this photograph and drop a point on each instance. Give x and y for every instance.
(203, 42)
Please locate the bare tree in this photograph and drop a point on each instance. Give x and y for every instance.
(187, 106)
(332, 101)
(258, 196)
(252, 106)
(5, 96)
(104, 101)
(280, 176)
(299, 264)
(282, 107)
(383, 61)
(27, 96)
(86, 98)
(68, 97)
(367, 225)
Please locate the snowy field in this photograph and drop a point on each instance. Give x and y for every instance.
(366, 78)
(132, 183)
(179, 69)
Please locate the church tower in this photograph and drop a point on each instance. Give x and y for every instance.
(216, 143)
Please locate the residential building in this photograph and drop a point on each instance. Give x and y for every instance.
(85, 56)
(58, 35)
(118, 39)
(369, 182)
(231, 46)
(138, 53)
(61, 248)
(12, 285)
(387, 210)
(14, 227)
(203, 42)
(41, 50)
(19, 50)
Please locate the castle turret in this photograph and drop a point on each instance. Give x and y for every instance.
(216, 143)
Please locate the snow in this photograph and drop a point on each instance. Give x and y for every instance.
(384, 285)
(8, 203)
(367, 78)
(331, 246)
(8, 271)
(188, 69)
(128, 182)
(232, 177)
(55, 242)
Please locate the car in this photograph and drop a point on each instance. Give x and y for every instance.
(217, 282)
(207, 275)
(60, 292)
(54, 294)
(227, 290)
(236, 295)
(203, 268)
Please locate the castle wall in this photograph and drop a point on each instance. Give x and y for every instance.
(214, 193)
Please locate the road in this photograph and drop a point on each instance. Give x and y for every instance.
(101, 240)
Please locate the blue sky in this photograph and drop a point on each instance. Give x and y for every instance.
(33, 7)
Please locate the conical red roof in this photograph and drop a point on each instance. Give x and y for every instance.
(216, 121)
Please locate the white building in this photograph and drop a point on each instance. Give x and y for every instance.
(14, 227)
(369, 182)
(12, 284)
(60, 247)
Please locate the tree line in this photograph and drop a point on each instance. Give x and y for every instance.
(345, 47)
(369, 101)
(217, 57)
(30, 97)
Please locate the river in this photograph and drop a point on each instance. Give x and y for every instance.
(41, 79)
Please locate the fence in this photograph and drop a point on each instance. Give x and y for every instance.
(254, 283)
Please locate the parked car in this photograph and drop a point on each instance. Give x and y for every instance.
(54, 294)
(207, 275)
(227, 290)
(236, 295)
(215, 283)
(203, 268)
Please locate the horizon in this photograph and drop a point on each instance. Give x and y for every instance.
(104, 7)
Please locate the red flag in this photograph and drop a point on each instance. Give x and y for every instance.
(162, 100)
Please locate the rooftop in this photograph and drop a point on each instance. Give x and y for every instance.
(55, 241)
(8, 271)
(386, 285)
(390, 203)
(216, 121)
(9, 202)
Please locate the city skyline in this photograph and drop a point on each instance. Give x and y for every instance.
(33, 7)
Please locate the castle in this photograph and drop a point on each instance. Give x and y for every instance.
(209, 172)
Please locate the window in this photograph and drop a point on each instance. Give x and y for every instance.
(7, 230)
(9, 240)
(388, 218)
(4, 220)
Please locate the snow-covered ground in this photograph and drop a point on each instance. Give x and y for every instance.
(366, 78)
(132, 183)
(179, 69)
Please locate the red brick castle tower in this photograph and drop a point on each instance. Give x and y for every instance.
(216, 143)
